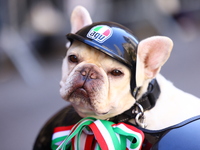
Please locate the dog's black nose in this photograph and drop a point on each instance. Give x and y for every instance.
(88, 73)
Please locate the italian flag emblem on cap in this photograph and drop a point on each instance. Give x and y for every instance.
(100, 33)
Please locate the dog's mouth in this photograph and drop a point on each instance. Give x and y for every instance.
(81, 92)
(81, 100)
(80, 96)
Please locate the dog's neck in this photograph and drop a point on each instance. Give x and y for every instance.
(146, 99)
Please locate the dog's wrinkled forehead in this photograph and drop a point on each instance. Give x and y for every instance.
(112, 39)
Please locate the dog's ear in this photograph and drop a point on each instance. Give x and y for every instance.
(153, 52)
(80, 17)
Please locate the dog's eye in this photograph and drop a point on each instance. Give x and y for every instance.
(73, 58)
(116, 72)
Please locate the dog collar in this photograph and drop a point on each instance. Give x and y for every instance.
(146, 102)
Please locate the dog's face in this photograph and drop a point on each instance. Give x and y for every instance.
(99, 86)
(94, 83)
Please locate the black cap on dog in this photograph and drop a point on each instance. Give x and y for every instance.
(114, 40)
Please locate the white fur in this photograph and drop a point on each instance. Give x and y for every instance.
(172, 107)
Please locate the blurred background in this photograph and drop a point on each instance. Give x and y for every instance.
(32, 46)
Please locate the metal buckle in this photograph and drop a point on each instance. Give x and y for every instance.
(139, 118)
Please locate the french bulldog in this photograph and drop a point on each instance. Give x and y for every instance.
(98, 86)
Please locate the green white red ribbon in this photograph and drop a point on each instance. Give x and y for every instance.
(92, 134)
